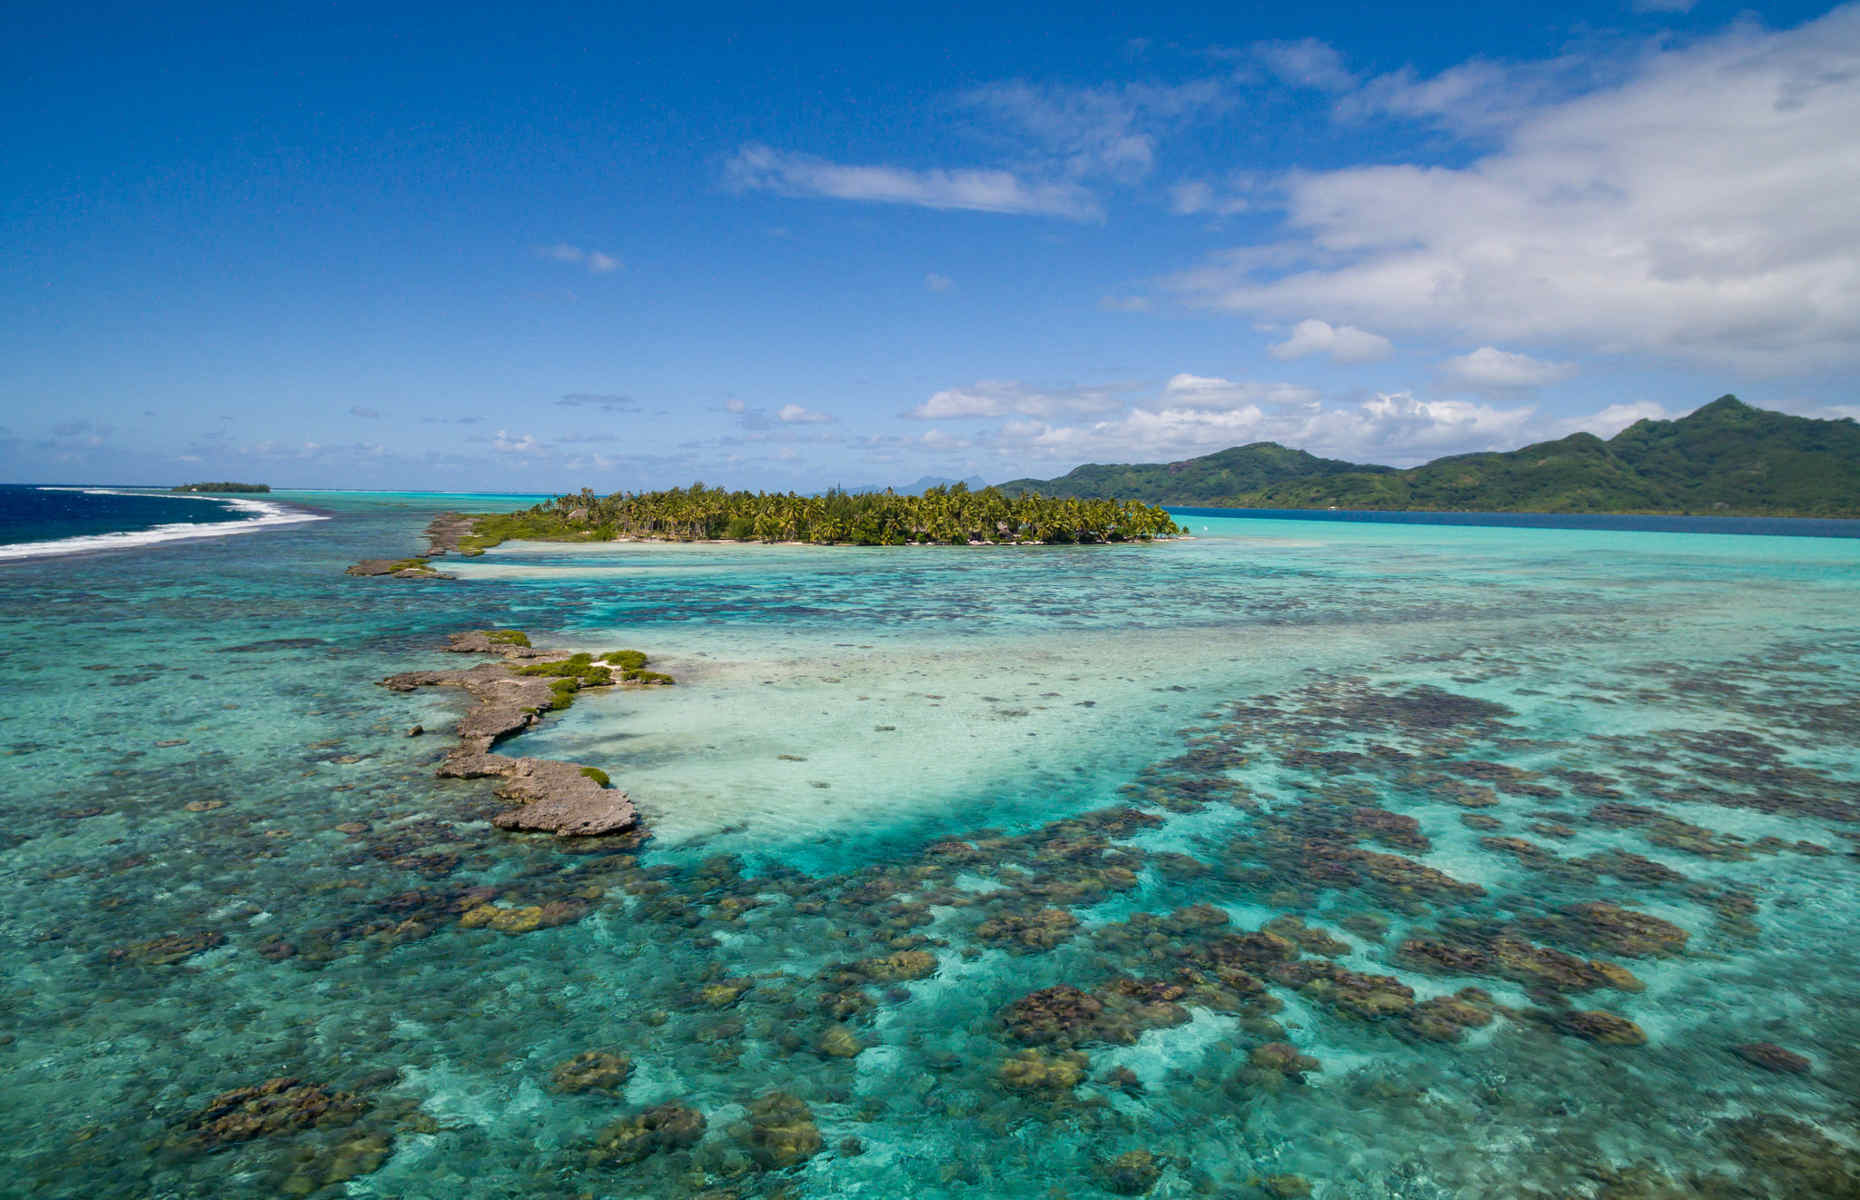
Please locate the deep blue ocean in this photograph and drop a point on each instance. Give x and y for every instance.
(1379, 859)
(39, 513)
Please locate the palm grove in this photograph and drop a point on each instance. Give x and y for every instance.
(942, 515)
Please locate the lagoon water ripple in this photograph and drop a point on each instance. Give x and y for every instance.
(1351, 860)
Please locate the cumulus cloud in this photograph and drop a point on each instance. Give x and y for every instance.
(1124, 303)
(1489, 367)
(1699, 208)
(1612, 420)
(938, 283)
(1205, 391)
(366, 414)
(1344, 343)
(595, 261)
(1197, 415)
(760, 168)
(794, 414)
(1010, 397)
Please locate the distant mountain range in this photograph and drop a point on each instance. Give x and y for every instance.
(1726, 458)
(974, 483)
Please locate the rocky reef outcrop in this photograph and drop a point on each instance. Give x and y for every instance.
(550, 796)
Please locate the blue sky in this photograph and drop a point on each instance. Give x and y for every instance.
(455, 247)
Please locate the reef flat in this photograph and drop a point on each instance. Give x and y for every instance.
(1346, 861)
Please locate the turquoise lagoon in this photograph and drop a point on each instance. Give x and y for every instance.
(1551, 835)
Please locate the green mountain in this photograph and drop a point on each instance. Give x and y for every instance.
(1727, 457)
(1196, 481)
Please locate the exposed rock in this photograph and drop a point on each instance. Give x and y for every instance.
(555, 797)
(397, 568)
(445, 531)
(552, 797)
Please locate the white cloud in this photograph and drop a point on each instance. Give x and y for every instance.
(1613, 419)
(595, 261)
(1482, 96)
(936, 439)
(1124, 303)
(794, 414)
(1094, 131)
(1204, 391)
(1664, 6)
(503, 443)
(759, 168)
(1344, 343)
(1307, 62)
(1389, 427)
(1010, 397)
(1196, 196)
(938, 283)
(1700, 209)
(1140, 434)
(1489, 367)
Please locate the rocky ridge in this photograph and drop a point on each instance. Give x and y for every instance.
(563, 798)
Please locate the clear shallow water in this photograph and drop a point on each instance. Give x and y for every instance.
(1441, 746)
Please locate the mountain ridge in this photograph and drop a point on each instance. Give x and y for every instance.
(1726, 458)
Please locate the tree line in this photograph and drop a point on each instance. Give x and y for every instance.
(951, 515)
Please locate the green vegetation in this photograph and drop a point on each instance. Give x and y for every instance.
(1727, 458)
(568, 676)
(632, 664)
(597, 775)
(1202, 480)
(580, 667)
(222, 487)
(946, 516)
(505, 637)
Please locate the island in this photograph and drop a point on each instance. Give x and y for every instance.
(1726, 458)
(221, 487)
(951, 515)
